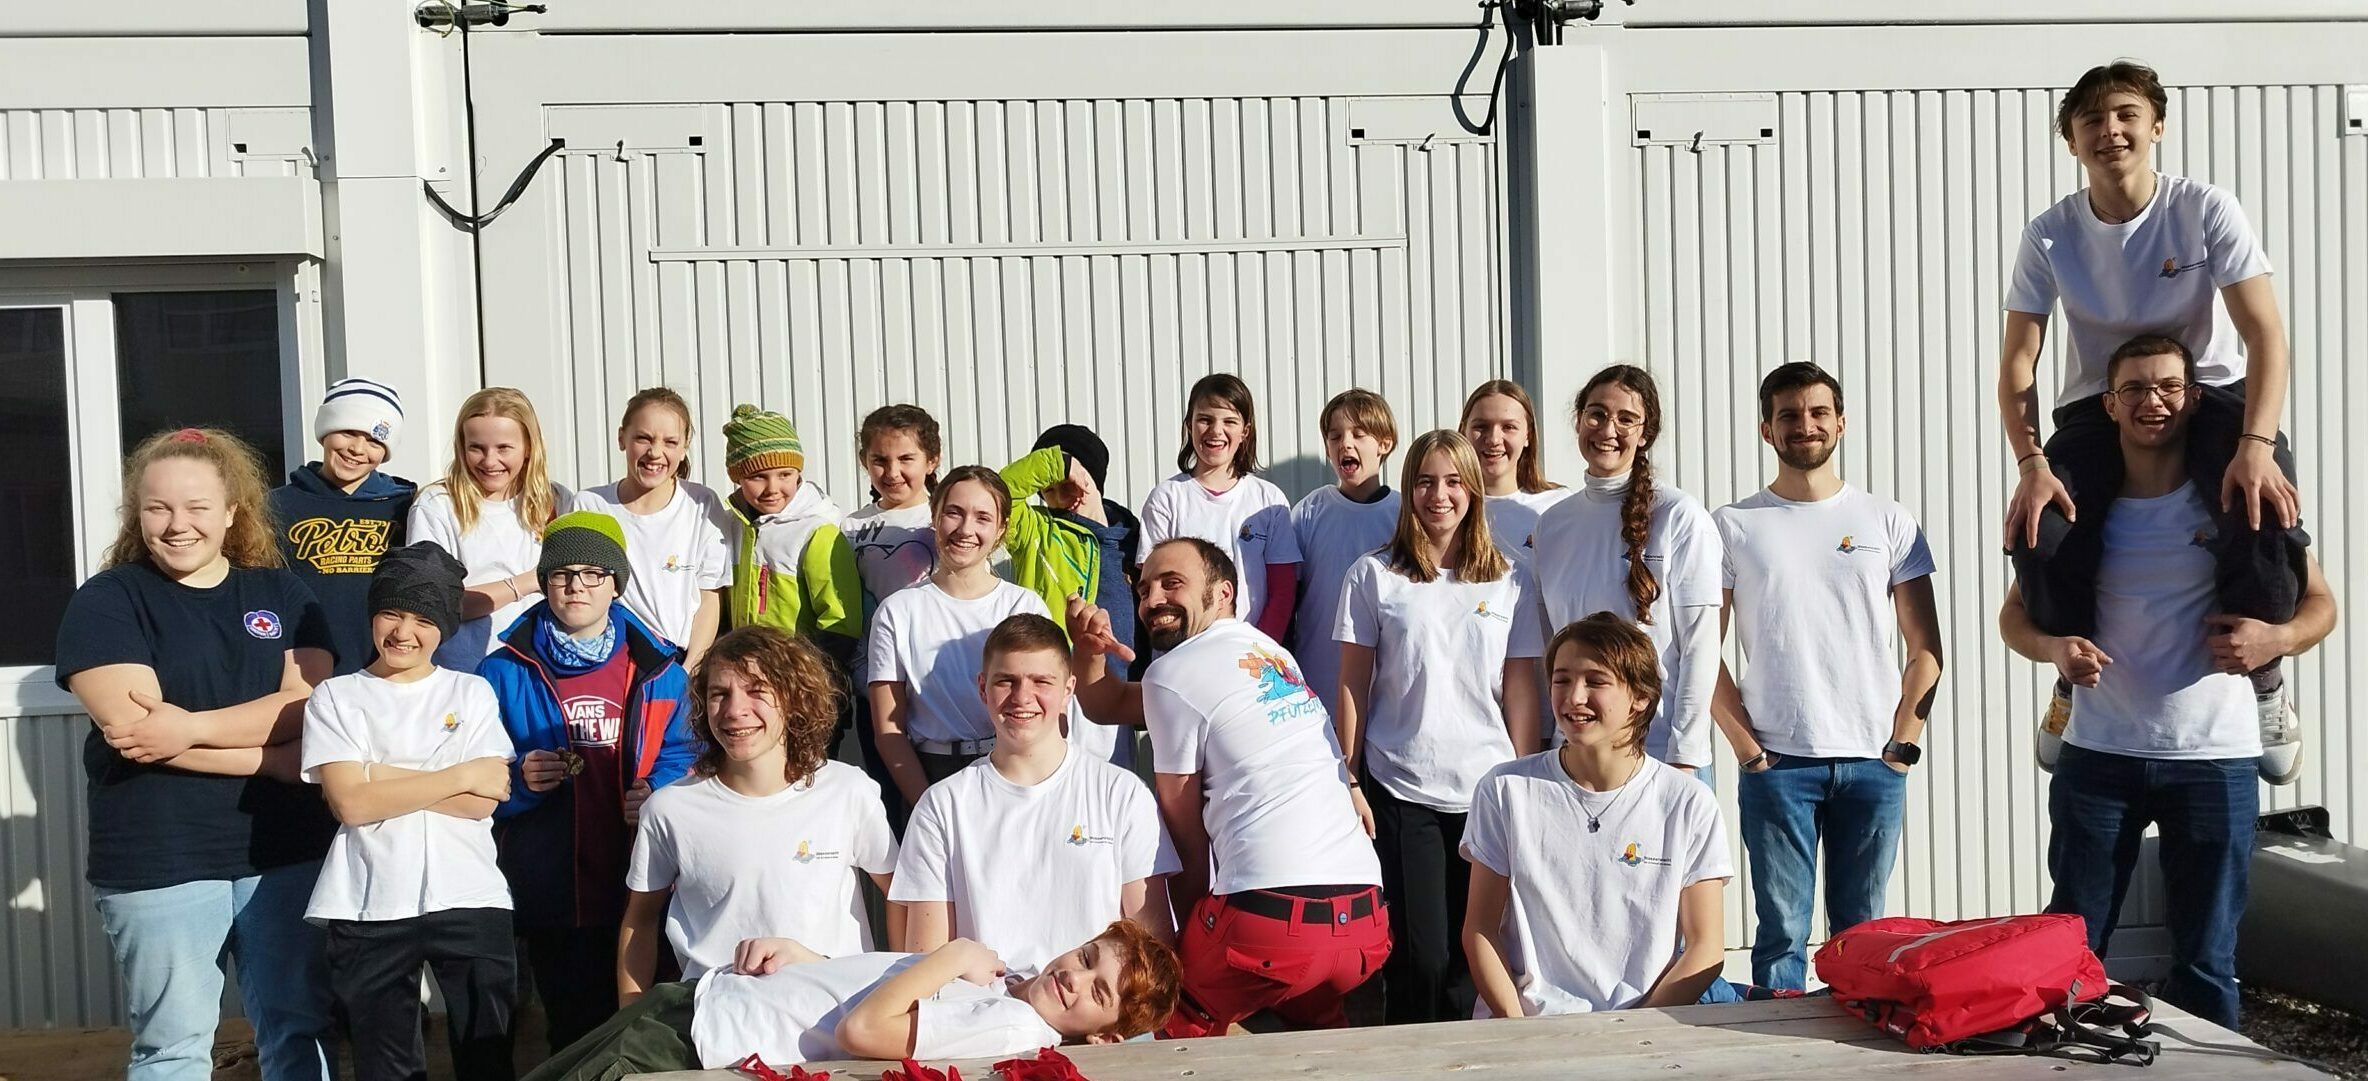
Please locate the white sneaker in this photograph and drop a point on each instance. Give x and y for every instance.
(2049, 741)
(2281, 738)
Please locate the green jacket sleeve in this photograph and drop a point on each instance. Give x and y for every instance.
(1029, 530)
(834, 589)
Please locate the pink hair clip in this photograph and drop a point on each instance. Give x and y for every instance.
(189, 435)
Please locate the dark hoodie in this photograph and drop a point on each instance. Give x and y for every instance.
(334, 542)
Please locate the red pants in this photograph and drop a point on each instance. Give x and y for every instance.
(1238, 962)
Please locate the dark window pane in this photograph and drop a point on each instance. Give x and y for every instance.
(36, 490)
(205, 360)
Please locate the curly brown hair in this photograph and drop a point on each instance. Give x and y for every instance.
(1636, 511)
(1618, 645)
(797, 678)
(249, 542)
(1148, 980)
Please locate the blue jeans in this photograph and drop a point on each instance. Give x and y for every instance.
(2099, 806)
(1855, 808)
(169, 945)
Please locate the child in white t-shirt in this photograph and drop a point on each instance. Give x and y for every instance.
(1039, 844)
(489, 512)
(1439, 637)
(784, 1004)
(894, 545)
(1596, 870)
(677, 531)
(413, 759)
(767, 836)
(1502, 424)
(1220, 499)
(1337, 524)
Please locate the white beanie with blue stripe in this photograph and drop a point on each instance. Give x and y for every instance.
(360, 405)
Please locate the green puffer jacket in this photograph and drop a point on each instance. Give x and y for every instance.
(1054, 559)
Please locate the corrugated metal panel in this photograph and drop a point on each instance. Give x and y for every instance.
(1874, 236)
(55, 969)
(99, 144)
(1014, 264)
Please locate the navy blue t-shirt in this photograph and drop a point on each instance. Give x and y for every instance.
(154, 826)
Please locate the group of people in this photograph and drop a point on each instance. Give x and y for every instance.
(1454, 732)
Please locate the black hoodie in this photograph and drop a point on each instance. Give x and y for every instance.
(334, 542)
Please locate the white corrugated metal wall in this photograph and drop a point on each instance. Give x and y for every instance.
(115, 144)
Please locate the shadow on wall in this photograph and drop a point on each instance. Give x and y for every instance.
(55, 969)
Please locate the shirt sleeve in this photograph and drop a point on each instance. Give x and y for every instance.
(921, 871)
(834, 589)
(483, 720)
(1696, 560)
(2031, 285)
(101, 627)
(1912, 553)
(326, 738)
(309, 621)
(1723, 519)
(432, 519)
(1144, 847)
(715, 545)
(1176, 730)
(2229, 242)
(1523, 640)
(880, 655)
(874, 844)
(968, 1021)
(1707, 857)
(652, 866)
(1359, 621)
(1158, 522)
(1282, 541)
(1485, 840)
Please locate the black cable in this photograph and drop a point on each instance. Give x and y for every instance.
(468, 101)
(1496, 10)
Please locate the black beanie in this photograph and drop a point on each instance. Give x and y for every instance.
(1079, 442)
(421, 579)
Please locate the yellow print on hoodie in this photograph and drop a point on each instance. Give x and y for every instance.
(340, 546)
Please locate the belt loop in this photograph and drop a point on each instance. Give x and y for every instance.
(1340, 915)
(1298, 914)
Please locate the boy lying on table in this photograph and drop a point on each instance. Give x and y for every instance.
(787, 1004)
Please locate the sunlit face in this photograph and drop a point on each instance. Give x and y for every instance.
(1175, 598)
(1499, 430)
(1027, 693)
(2115, 136)
(655, 441)
(493, 450)
(579, 596)
(969, 525)
(1804, 426)
(2160, 400)
(743, 715)
(899, 468)
(1438, 495)
(185, 514)
(406, 640)
(1217, 433)
(1355, 453)
(348, 457)
(768, 491)
(1077, 993)
(1592, 706)
(1611, 429)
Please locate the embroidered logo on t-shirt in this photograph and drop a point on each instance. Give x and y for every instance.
(1485, 612)
(807, 854)
(1080, 838)
(262, 623)
(451, 721)
(1279, 683)
(2172, 269)
(1630, 856)
(674, 563)
(340, 546)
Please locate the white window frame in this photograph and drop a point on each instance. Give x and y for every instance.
(93, 400)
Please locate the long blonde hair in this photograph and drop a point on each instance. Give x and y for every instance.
(249, 542)
(1410, 551)
(1529, 470)
(530, 494)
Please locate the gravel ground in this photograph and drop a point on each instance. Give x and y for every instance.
(2331, 1037)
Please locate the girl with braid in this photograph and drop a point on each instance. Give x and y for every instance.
(1642, 550)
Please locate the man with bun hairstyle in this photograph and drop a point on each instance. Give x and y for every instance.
(338, 516)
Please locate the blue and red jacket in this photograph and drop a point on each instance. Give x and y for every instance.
(537, 829)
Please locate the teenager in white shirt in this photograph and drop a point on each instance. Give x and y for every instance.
(1439, 637)
(412, 759)
(784, 1004)
(925, 641)
(1819, 577)
(1502, 423)
(489, 512)
(2132, 253)
(767, 836)
(678, 531)
(1039, 843)
(1255, 794)
(1596, 870)
(1640, 549)
(1337, 524)
(1220, 498)
(2162, 731)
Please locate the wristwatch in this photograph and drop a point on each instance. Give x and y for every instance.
(1905, 753)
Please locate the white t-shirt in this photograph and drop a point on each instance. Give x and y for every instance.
(1436, 716)
(1592, 920)
(1334, 531)
(2161, 697)
(1514, 516)
(676, 554)
(1251, 521)
(422, 862)
(1813, 610)
(497, 547)
(933, 642)
(893, 548)
(1230, 705)
(1032, 870)
(788, 865)
(2158, 273)
(1581, 564)
(792, 1016)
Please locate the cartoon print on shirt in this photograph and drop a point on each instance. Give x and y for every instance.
(1280, 683)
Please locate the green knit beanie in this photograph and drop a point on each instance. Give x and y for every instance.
(586, 538)
(756, 440)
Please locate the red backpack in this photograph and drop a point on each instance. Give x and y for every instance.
(2008, 985)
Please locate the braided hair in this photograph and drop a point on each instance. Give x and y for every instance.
(1636, 510)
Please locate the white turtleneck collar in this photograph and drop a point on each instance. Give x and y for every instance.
(1604, 489)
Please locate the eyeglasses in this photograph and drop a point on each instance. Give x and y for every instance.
(1596, 416)
(589, 578)
(2134, 394)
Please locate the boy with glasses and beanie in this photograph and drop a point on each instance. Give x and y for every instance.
(599, 713)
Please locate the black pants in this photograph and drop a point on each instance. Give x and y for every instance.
(938, 767)
(374, 972)
(1424, 878)
(651, 1036)
(2261, 571)
(575, 976)
(858, 721)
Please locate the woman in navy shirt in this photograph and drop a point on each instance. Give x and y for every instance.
(193, 653)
